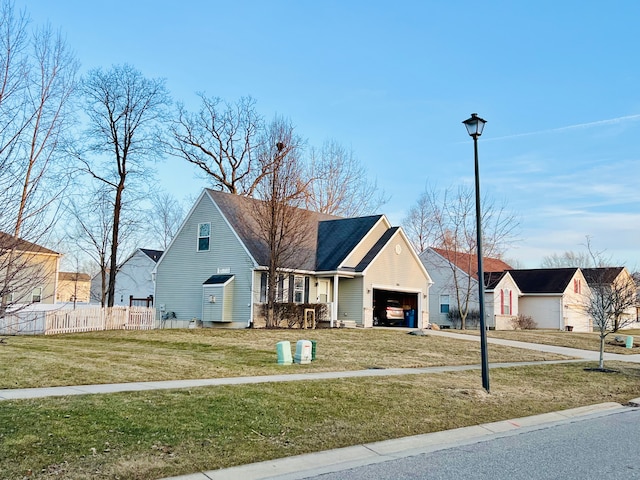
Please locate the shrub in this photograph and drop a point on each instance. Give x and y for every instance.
(523, 322)
(291, 315)
(472, 320)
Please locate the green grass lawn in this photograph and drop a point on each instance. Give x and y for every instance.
(130, 356)
(153, 434)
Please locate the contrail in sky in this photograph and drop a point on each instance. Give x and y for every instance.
(610, 121)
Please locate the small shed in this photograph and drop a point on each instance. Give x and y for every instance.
(217, 299)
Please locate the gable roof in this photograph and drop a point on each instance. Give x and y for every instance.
(9, 242)
(337, 239)
(152, 254)
(379, 245)
(239, 211)
(468, 262)
(605, 275)
(543, 280)
(492, 279)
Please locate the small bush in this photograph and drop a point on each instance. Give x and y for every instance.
(291, 315)
(472, 320)
(524, 322)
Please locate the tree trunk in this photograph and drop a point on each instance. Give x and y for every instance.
(601, 363)
(113, 264)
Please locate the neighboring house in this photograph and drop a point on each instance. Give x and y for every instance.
(455, 277)
(615, 275)
(29, 272)
(73, 287)
(215, 269)
(554, 297)
(134, 280)
(501, 297)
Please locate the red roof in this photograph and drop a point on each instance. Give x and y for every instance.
(469, 263)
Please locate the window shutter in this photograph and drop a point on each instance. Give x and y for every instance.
(263, 287)
(510, 302)
(501, 302)
(291, 287)
(306, 289)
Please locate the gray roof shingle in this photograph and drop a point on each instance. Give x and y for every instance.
(337, 238)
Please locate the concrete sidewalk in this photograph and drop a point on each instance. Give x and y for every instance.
(570, 352)
(26, 393)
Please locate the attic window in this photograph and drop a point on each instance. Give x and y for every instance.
(204, 236)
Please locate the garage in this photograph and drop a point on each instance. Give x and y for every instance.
(395, 308)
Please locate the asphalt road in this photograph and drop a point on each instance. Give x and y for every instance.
(602, 448)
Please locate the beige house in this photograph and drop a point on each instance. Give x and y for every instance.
(28, 272)
(215, 269)
(73, 287)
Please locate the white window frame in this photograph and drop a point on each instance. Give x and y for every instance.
(298, 289)
(447, 303)
(203, 237)
(36, 298)
(506, 301)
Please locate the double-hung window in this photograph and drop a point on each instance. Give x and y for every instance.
(36, 295)
(298, 289)
(444, 303)
(204, 236)
(505, 300)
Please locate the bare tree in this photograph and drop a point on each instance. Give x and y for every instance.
(419, 222)
(125, 111)
(446, 219)
(89, 229)
(281, 223)
(589, 258)
(163, 219)
(339, 184)
(611, 302)
(223, 140)
(37, 79)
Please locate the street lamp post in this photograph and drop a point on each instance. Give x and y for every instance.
(475, 125)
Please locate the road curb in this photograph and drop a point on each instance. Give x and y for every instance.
(303, 466)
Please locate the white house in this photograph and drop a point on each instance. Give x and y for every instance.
(134, 281)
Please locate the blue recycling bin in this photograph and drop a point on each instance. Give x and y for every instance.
(410, 318)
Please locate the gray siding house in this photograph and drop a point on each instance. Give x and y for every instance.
(214, 270)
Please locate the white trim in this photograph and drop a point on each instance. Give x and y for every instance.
(381, 219)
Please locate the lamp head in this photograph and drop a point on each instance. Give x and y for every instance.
(474, 125)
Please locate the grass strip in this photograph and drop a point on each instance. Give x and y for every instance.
(146, 435)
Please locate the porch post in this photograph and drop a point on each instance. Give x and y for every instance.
(334, 303)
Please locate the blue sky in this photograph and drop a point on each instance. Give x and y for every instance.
(556, 81)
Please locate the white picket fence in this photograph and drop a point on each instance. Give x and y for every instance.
(86, 319)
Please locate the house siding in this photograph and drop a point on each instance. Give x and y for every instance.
(179, 278)
(350, 298)
(443, 284)
(367, 243)
(36, 271)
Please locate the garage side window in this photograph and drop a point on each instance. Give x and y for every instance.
(444, 303)
(204, 236)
